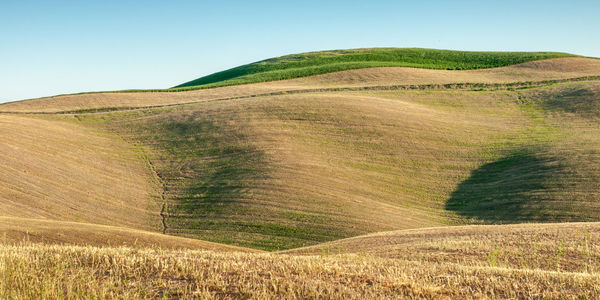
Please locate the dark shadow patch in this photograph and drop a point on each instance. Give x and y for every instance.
(217, 182)
(517, 187)
(208, 165)
(581, 99)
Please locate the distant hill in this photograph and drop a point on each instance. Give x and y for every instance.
(314, 63)
(532, 73)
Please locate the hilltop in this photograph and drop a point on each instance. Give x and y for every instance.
(532, 73)
(315, 63)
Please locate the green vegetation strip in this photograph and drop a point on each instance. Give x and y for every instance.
(315, 63)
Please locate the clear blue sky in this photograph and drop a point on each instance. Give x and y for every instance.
(55, 47)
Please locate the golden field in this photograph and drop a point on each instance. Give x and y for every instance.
(441, 263)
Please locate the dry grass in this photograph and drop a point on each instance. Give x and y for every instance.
(60, 171)
(568, 247)
(437, 271)
(548, 69)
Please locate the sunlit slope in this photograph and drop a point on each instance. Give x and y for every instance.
(60, 171)
(50, 232)
(314, 63)
(547, 69)
(572, 247)
(290, 170)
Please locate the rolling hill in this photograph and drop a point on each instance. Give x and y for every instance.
(376, 173)
(291, 163)
(539, 72)
(315, 63)
(285, 171)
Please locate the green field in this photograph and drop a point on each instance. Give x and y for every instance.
(314, 63)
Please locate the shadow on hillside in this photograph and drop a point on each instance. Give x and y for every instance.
(583, 100)
(224, 181)
(209, 166)
(511, 189)
(580, 99)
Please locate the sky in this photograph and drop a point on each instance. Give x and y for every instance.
(58, 47)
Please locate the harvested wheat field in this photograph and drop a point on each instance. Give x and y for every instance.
(568, 247)
(430, 174)
(459, 262)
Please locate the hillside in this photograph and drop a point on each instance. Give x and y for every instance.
(315, 63)
(277, 172)
(62, 171)
(292, 163)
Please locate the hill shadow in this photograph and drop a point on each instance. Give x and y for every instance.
(210, 166)
(583, 100)
(511, 189)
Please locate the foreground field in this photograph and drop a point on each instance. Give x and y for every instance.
(380, 268)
